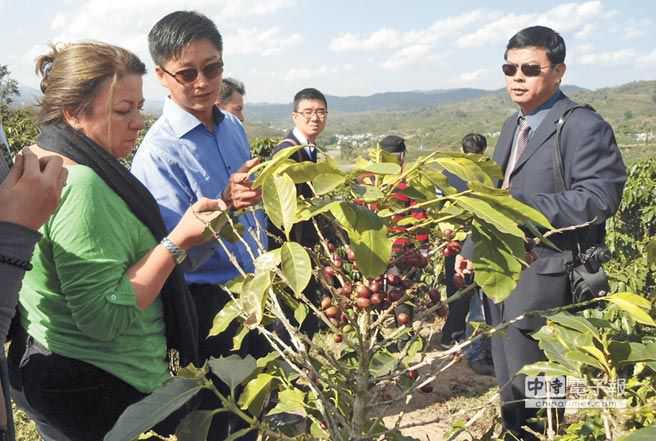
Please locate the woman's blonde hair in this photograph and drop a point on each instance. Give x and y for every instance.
(73, 74)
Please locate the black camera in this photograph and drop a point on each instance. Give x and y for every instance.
(594, 257)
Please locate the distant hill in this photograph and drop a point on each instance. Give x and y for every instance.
(630, 109)
(28, 96)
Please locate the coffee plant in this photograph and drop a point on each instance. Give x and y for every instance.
(373, 304)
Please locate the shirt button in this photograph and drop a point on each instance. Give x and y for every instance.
(113, 297)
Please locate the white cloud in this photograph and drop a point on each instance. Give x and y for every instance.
(648, 59)
(126, 22)
(262, 42)
(586, 31)
(309, 73)
(408, 55)
(622, 56)
(567, 17)
(474, 75)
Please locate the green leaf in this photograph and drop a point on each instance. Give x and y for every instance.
(267, 261)
(651, 252)
(279, 198)
(214, 221)
(195, 426)
(290, 401)
(547, 368)
(235, 285)
(553, 348)
(381, 364)
(465, 169)
(368, 237)
(574, 322)
(223, 319)
(141, 416)
(263, 362)
(300, 313)
(280, 159)
(259, 385)
(510, 207)
(368, 193)
(309, 211)
(317, 432)
(327, 182)
(581, 357)
(238, 339)
(232, 370)
(296, 266)
(306, 171)
(488, 213)
(633, 305)
(497, 270)
(632, 352)
(644, 434)
(378, 168)
(253, 298)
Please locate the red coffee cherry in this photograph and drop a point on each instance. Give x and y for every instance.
(363, 302)
(332, 311)
(326, 302)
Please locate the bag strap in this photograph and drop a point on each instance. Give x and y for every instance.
(558, 168)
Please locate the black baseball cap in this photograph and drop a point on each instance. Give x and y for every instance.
(392, 144)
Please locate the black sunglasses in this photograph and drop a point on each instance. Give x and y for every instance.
(529, 70)
(186, 76)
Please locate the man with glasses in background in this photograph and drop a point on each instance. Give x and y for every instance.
(196, 150)
(309, 117)
(594, 176)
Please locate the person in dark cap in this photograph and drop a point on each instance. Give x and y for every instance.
(394, 144)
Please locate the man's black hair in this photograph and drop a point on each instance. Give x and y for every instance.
(541, 37)
(309, 94)
(230, 86)
(392, 144)
(474, 143)
(177, 30)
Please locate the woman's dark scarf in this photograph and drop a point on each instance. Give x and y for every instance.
(179, 309)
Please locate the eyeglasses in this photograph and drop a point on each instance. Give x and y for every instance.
(529, 70)
(308, 114)
(186, 76)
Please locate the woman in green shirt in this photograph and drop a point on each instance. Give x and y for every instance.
(104, 300)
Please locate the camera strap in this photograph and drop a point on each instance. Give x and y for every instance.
(558, 167)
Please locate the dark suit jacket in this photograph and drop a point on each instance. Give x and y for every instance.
(303, 232)
(595, 173)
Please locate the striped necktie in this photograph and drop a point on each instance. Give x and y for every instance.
(520, 145)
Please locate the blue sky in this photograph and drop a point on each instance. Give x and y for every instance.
(352, 47)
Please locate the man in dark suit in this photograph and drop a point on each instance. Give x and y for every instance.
(309, 116)
(594, 174)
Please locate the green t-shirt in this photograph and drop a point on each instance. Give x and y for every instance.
(78, 302)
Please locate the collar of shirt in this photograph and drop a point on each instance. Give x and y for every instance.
(183, 122)
(536, 117)
(303, 140)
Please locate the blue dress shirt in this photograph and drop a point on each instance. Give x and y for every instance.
(180, 161)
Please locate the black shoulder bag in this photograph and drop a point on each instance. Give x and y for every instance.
(587, 277)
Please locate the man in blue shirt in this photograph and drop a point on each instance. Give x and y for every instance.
(194, 150)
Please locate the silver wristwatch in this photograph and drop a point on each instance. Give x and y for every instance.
(179, 255)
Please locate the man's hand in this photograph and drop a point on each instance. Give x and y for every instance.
(239, 192)
(32, 189)
(464, 266)
(190, 231)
